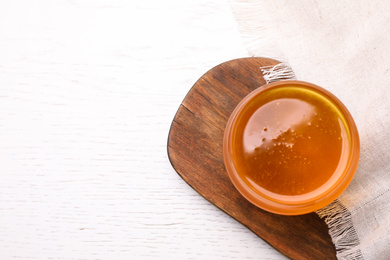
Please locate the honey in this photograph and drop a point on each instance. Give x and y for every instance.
(289, 141)
(291, 147)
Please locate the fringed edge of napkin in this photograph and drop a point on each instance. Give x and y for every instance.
(281, 71)
(341, 230)
(336, 215)
(264, 45)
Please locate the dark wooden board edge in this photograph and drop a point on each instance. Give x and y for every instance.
(198, 126)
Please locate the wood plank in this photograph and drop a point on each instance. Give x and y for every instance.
(195, 152)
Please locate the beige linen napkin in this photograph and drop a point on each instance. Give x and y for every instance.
(343, 46)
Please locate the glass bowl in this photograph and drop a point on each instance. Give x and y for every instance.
(291, 147)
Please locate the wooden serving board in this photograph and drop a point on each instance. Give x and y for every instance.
(195, 152)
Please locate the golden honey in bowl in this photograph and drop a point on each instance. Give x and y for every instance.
(291, 147)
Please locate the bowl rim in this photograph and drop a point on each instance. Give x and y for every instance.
(294, 206)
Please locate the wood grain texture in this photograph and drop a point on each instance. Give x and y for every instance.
(195, 151)
(88, 91)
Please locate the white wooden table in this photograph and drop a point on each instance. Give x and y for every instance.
(88, 90)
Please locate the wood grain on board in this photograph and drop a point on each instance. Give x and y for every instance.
(195, 152)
